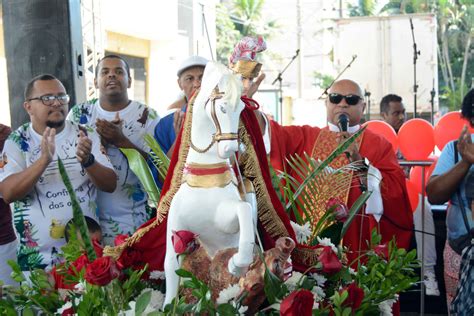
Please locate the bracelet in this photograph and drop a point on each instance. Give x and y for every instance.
(89, 162)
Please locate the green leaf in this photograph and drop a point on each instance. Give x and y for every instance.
(272, 286)
(140, 168)
(142, 302)
(27, 311)
(183, 273)
(354, 210)
(226, 309)
(78, 215)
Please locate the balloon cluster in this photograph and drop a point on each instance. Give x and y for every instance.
(416, 140)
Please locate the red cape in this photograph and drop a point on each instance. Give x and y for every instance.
(397, 220)
(150, 238)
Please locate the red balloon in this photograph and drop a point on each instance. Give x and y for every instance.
(416, 139)
(449, 128)
(412, 195)
(384, 129)
(433, 166)
(416, 174)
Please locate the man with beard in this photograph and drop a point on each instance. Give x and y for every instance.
(121, 123)
(392, 111)
(31, 178)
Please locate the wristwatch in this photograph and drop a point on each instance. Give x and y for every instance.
(89, 162)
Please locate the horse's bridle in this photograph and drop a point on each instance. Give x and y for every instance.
(218, 135)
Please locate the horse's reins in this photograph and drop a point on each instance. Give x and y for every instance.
(218, 135)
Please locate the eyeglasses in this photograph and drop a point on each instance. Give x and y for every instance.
(48, 100)
(351, 99)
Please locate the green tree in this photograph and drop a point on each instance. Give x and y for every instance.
(237, 19)
(455, 36)
(364, 8)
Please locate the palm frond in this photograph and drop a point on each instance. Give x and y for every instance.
(77, 214)
(140, 168)
(158, 157)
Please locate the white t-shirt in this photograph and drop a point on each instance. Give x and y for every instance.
(41, 216)
(124, 210)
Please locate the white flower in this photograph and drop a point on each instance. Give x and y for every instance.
(243, 309)
(156, 300)
(327, 242)
(157, 275)
(385, 307)
(302, 232)
(352, 271)
(318, 293)
(320, 279)
(80, 288)
(66, 306)
(293, 280)
(315, 304)
(228, 294)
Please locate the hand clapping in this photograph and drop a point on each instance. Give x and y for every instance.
(111, 131)
(84, 147)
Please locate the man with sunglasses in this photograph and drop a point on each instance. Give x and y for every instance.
(378, 171)
(31, 180)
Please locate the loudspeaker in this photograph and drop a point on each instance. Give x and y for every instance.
(42, 36)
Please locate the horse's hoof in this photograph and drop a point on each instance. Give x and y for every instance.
(237, 268)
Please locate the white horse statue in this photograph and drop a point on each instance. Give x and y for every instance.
(208, 202)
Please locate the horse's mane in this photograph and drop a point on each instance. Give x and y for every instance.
(216, 74)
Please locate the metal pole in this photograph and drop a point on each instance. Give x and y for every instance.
(423, 164)
(299, 81)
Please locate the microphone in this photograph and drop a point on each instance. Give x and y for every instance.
(343, 122)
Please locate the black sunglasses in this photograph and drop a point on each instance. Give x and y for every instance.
(351, 99)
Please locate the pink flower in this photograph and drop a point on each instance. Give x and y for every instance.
(382, 251)
(184, 241)
(339, 208)
(329, 260)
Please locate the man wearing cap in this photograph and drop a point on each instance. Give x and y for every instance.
(189, 81)
(121, 123)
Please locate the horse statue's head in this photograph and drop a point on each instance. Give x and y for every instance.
(219, 97)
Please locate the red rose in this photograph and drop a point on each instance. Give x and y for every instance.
(184, 241)
(298, 303)
(339, 208)
(99, 250)
(79, 264)
(101, 271)
(129, 257)
(382, 251)
(355, 297)
(120, 239)
(329, 260)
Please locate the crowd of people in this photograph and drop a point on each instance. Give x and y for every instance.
(36, 207)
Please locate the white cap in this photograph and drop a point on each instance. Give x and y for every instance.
(192, 61)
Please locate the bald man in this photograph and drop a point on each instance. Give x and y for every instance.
(388, 206)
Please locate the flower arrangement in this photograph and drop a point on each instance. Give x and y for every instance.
(88, 283)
